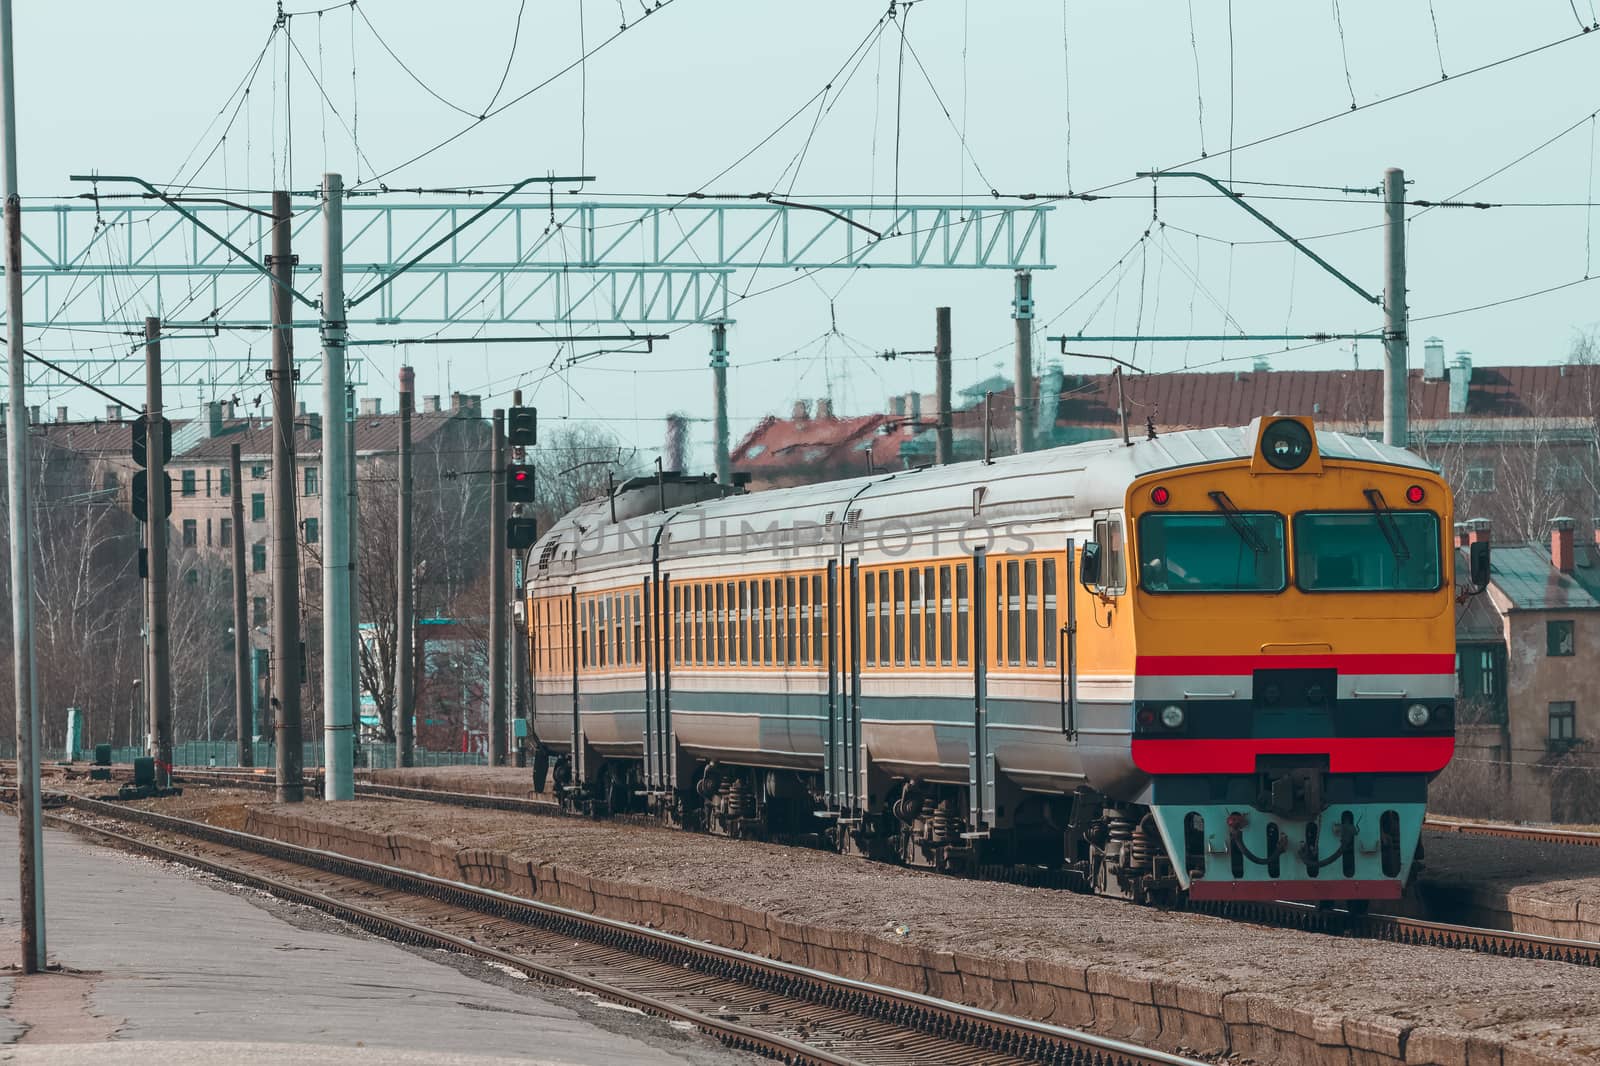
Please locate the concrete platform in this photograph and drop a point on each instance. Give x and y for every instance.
(161, 964)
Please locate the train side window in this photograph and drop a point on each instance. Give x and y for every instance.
(963, 606)
(870, 584)
(718, 626)
(1030, 607)
(946, 615)
(805, 620)
(899, 617)
(1014, 613)
(586, 609)
(885, 606)
(930, 615)
(793, 613)
(780, 621)
(914, 616)
(744, 623)
(638, 629)
(997, 629)
(817, 611)
(732, 591)
(677, 625)
(619, 605)
(1048, 630)
(766, 622)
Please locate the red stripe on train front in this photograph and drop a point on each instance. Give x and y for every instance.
(1238, 665)
(1320, 889)
(1346, 755)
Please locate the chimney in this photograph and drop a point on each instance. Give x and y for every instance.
(677, 434)
(802, 411)
(1433, 359)
(897, 406)
(214, 418)
(1561, 547)
(1460, 382)
(302, 409)
(35, 415)
(1463, 537)
(371, 406)
(825, 410)
(430, 405)
(1478, 531)
(314, 430)
(230, 410)
(914, 399)
(113, 413)
(61, 414)
(455, 403)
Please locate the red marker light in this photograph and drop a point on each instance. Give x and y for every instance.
(1415, 494)
(1159, 496)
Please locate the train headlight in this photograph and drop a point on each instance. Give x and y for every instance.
(1172, 716)
(1418, 715)
(1286, 444)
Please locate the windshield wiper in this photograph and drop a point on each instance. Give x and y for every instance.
(1236, 522)
(1391, 531)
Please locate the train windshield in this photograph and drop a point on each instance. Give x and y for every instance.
(1236, 551)
(1367, 551)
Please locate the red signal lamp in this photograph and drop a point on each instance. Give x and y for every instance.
(1415, 494)
(1160, 496)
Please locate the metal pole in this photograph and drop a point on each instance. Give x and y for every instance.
(988, 430)
(944, 450)
(1122, 405)
(1395, 363)
(285, 538)
(243, 691)
(498, 594)
(719, 382)
(30, 841)
(355, 574)
(405, 618)
(159, 694)
(338, 615)
(1022, 311)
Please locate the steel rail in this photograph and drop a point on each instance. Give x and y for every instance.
(985, 1031)
(1542, 834)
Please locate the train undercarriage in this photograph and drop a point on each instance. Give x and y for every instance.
(1080, 841)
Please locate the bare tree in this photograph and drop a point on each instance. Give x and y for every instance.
(575, 464)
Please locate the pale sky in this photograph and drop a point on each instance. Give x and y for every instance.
(123, 88)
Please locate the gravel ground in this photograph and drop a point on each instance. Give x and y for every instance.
(1549, 1004)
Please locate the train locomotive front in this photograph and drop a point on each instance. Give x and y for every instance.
(1218, 664)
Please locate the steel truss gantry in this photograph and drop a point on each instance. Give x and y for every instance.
(668, 262)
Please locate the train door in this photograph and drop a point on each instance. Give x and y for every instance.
(980, 755)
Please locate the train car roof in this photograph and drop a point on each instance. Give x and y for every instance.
(1074, 479)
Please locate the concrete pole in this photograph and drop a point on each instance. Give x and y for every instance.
(499, 605)
(355, 571)
(1395, 317)
(243, 691)
(158, 693)
(944, 449)
(338, 615)
(285, 533)
(30, 840)
(719, 383)
(405, 615)
(1023, 402)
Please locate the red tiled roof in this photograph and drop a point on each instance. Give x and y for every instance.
(374, 433)
(825, 442)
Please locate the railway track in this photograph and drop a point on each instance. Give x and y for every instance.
(786, 1012)
(1543, 834)
(1334, 922)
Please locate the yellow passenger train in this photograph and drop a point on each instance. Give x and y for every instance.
(1219, 663)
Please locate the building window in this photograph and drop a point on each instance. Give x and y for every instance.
(258, 507)
(109, 481)
(258, 471)
(208, 481)
(1486, 671)
(1558, 638)
(188, 482)
(225, 480)
(1479, 479)
(225, 532)
(190, 533)
(1563, 721)
(258, 611)
(311, 531)
(311, 481)
(258, 557)
(191, 576)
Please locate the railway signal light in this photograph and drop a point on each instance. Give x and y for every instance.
(521, 533)
(141, 497)
(140, 437)
(519, 483)
(522, 426)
